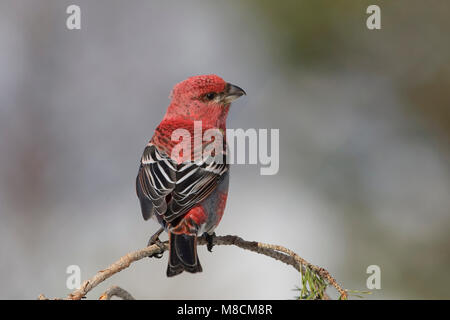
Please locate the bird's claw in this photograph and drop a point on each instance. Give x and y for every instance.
(157, 255)
(209, 240)
(155, 240)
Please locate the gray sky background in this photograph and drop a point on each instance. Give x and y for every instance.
(364, 157)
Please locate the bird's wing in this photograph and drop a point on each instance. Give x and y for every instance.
(188, 183)
(155, 180)
(195, 182)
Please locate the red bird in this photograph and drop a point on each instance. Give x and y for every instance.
(187, 197)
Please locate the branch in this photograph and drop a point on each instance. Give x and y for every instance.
(116, 291)
(276, 252)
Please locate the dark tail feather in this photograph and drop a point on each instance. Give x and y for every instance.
(183, 254)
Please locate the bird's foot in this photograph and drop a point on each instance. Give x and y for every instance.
(154, 239)
(209, 240)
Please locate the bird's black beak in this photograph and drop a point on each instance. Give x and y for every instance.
(232, 92)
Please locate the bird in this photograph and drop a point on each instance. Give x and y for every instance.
(184, 193)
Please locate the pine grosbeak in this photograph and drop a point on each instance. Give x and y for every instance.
(187, 197)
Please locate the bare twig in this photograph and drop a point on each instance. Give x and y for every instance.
(116, 291)
(282, 254)
(276, 252)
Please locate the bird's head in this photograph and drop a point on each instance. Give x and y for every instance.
(205, 98)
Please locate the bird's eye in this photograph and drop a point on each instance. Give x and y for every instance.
(210, 96)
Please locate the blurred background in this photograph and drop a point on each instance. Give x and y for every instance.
(364, 119)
